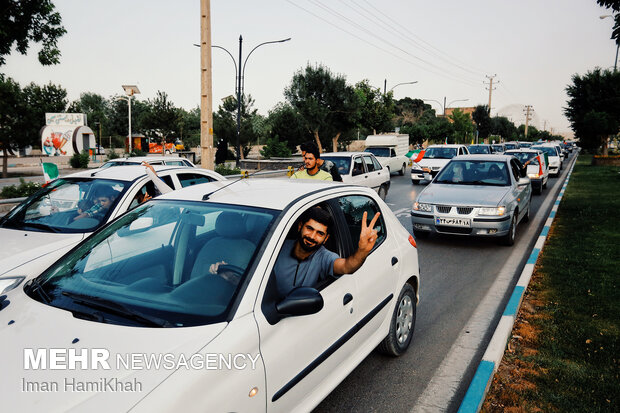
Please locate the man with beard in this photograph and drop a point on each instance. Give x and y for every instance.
(306, 262)
(312, 170)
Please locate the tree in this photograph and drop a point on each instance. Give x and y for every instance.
(161, 119)
(595, 95)
(533, 134)
(483, 121)
(11, 110)
(615, 6)
(275, 147)
(25, 21)
(95, 107)
(285, 123)
(376, 108)
(502, 126)
(409, 111)
(325, 102)
(189, 127)
(463, 126)
(39, 100)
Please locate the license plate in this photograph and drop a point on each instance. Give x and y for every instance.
(454, 222)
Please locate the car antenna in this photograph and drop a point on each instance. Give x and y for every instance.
(243, 176)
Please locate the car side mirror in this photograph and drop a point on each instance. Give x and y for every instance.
(301, 301)
(523, 181)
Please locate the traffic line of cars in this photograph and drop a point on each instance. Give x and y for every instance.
(483, 194)
(87, 305)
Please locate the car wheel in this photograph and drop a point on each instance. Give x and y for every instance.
(420, 234)
(402, 171)
(402, 324)
(383, 192)
(509, 239)
(415, 181)
(545, 183)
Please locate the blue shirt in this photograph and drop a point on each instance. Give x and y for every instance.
(290, 272)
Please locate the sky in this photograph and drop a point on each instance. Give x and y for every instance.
(531, 48)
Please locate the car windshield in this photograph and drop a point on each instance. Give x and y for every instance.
(523, 157)
(67, 205)
(479, 149)
(525, 144)
(440, 153)
(492, 173)
(118, 163)
(167, 263)
(343, 163)
(511, 146)
(381, 152)
(550, 151)
(498, 148)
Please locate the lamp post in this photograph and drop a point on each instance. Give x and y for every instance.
(617, 42)
(444, 107)
(130, 90)
(398, 84)
(240, 80)
(99, 124)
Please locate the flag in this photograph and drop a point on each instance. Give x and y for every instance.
(446, 142)
(540, 170)
(50, 171)
(416, 155)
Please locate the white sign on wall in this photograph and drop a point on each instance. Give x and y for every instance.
(65, 119)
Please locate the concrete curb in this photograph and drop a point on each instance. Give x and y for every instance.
(479, 386)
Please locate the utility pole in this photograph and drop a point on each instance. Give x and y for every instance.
(490, 88)
(206, 88)
(528, 109)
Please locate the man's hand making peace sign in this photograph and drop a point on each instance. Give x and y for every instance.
(368, 238)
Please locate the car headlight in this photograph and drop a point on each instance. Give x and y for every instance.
(422, 207)
(533, 176)
(415, 166)
(9, 283)
(492, 211)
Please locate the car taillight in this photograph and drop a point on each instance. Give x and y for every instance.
(412, 241)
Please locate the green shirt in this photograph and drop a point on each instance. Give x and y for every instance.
(321, 175)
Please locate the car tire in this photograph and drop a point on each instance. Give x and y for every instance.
(383, 191)
(509, 239)
(545, 183)
(415, 181)
(420, 234)
(402, 324)
(402, 171)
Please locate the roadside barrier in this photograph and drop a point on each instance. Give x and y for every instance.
(479, 386)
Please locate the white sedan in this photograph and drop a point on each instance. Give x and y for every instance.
(44, 226)
(135, 317)
(361, 168)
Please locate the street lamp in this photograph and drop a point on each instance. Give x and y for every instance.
(617, 41)
(240, 80)
(398, 84)
(130, 90)
(444, 107)
(99, 124)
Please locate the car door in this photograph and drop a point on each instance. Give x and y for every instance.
(359, 175)
(522, 193)
(378, 277)
(304, 355)
(374, 175)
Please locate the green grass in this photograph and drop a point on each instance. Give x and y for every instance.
(579, 346)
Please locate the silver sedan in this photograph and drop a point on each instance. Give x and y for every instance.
(483, 195)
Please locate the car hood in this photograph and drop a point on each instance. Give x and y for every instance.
(26, 324)
(466, 195)
(23, 247)
(433, 162)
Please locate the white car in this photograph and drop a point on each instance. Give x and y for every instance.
(43, 227)
(537, 169)
(435, 158)
(140, 290)
(553, 155)
(361, 168)
(153, 160)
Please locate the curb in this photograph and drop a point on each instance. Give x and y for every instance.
(479, 386)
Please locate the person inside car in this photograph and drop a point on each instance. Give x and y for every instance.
(103, 201)
(325, 165)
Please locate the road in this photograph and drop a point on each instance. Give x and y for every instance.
(456, 275)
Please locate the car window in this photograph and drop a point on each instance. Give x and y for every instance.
(516, 170)
(189, 179)
(343, 163)
(381, 152)
(167, 179)
(151, 268)
(369, 165)
(358, 166)
(375, 162)
(392, 153)
(353, 208)
(460, 172)
(176, 163)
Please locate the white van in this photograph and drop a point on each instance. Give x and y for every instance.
(390, 150)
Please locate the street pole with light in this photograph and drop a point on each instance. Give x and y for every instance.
(398, 84)
(617, 41)
(130, 90)
(99, 124)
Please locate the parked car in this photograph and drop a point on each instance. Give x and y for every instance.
(479, 149)
(511, 145)
(361, 168)
(435, 158)
(498, 148)
(44, 226)
(553, 155)
(153, 160)
(537, 168)
(479, 195)
(141, 288)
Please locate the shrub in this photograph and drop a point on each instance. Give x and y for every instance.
(223, 169)
(17, 191)
(80, 160)
(112, 155)
(138, 152)
(275, 148)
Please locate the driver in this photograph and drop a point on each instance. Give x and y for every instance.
(103, 202)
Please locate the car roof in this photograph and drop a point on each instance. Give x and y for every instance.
(522, 150)
(449, 145)
(124, 173)
(483, 157)
(344, 153)
(140, 159)
(271, 193)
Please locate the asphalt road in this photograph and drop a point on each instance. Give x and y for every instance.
(456, 275)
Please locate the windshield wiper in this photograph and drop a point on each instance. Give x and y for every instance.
(38, 225)
(116, 308)
(34, 285)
